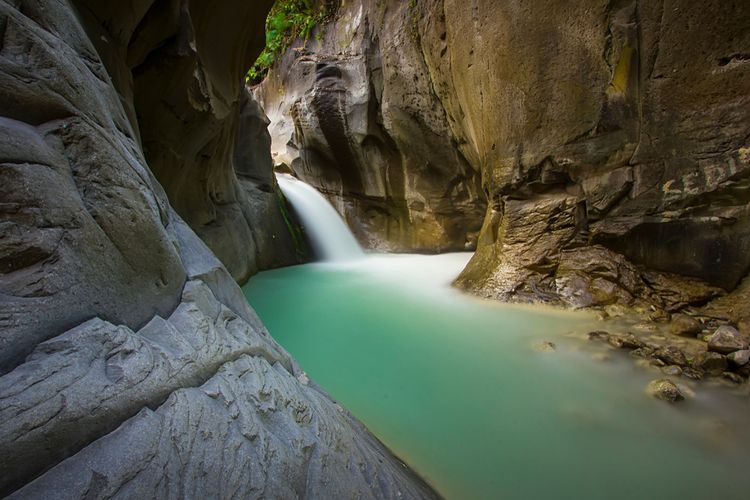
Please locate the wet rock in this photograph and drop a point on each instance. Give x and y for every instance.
(598, 335)
(692, 373)
(710, 363)
(625, 341)
(643, 352)
(671, 355)
(665, 390)
(739, 358)
(544, 346)
(685, 325)
(726, 339)
(672, 370)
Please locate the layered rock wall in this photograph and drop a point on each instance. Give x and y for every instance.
(130, 363)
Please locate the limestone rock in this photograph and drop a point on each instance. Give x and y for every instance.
(726, 339)
(682, 324)
(712, 363)
(671, 355)
(739, 358)
(665, 390)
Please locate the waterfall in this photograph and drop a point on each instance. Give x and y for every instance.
(328, 234)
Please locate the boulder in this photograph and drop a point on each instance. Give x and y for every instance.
(726, 339)
(671, 355)
(664, 390)
(710, 363)
(739, 358)
(685, 325)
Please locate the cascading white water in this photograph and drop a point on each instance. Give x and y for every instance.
(329, 235)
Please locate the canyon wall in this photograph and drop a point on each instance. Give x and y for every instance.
(610, 139)
(353, 113)
(130, 362)
(175, 66)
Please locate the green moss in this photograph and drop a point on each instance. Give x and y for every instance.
(287, 21)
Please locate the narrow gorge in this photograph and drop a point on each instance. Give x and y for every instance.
(411, 249)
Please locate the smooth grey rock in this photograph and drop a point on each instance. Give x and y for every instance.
(739, 358)
(726, 339)
(82, 384)
(251, 430)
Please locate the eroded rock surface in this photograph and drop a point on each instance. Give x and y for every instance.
(178, 67)
(354, 114)
(130, 363)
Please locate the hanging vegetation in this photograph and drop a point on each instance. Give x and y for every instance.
(287, 21)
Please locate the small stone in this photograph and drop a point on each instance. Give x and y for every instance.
(672, 370)
(739, 358)
(671, 355)
(598, 335)
(685, 325)
(624, 341)
(544, 346)
(732, 377)
(711, 363)
(726, 339)
(665, 390)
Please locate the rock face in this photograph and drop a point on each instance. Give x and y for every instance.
(610, 135)
(127, 350)
(630, 135)
(181, 82)
(354, 114)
